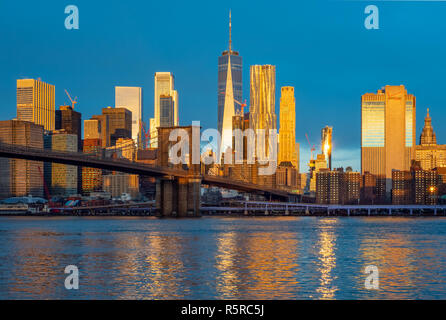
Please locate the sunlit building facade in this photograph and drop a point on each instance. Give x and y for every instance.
(92, 177)
(131, 99)
(98, 127)
(19, 177)
(430, 154)
(118, 184)
(36, 102)
(64, 178)
(262, 113)
(387, 132)
(164, 86)
(326, 143)
(288, 151)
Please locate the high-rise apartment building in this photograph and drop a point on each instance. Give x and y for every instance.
(120, 123)
(328, 186)
(425, 184)
(430, 154)
(287, 132)
(20, 177)
(315, 166)
(262, 113)
(36, 102)
(402, 187)
(387, 132)
(337, 186)
(164, 86)
(131, 99)
(230, 85)
(326, 143)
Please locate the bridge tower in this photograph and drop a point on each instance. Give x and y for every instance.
(179, 195)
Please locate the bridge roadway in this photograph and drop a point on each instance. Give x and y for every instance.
(124, 165)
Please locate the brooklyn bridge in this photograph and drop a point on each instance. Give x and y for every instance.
(177, 186)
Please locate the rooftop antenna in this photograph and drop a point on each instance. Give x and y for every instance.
(230, 27)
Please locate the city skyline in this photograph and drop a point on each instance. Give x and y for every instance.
(196, 80)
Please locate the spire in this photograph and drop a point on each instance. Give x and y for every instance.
(428, 135)
(230, 29)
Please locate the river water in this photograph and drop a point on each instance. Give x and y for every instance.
(223, 257)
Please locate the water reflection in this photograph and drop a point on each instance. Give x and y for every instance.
(223, 258)
(327, 257)
(257, 265)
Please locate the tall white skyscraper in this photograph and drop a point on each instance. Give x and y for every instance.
(131, 99)
(164, 86)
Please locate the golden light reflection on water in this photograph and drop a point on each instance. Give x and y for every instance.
(257, 265)
(38, 266)
(326, 257)
(395, 256)
(267, 258)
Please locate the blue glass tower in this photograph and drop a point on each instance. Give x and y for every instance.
(236, 75)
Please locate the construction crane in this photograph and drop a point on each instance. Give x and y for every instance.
(73, 102)
(312, 148)
(145, 133)
(242, 105)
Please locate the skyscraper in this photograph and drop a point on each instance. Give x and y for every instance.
(19, 177)
(164, 86)
(120, 123)
(229, 60)
(326, 144)
(36, 102)
(228, 114)
(70, 121)
(131, 99)
(262, 113)
(166, 111)
(98, 127)
(287, 131)
(387, 132)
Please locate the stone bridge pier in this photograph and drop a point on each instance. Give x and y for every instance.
(178, 196)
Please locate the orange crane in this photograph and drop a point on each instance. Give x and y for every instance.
(145, 133)
(73, 102)
(242, 105)
(312, 148)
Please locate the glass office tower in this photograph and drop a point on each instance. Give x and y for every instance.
(235, 60)
(387, 131)
(131, 99)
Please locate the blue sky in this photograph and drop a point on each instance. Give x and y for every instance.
(319, 47)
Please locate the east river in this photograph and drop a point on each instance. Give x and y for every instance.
(223, 257)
